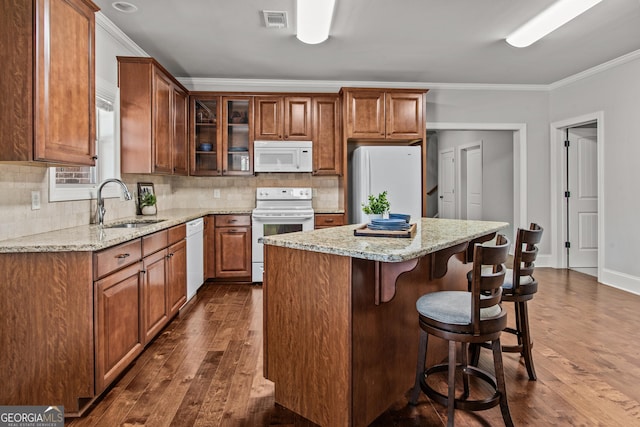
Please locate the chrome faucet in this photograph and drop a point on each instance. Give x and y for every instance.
(101, 210)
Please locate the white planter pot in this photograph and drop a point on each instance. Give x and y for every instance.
(149, 210)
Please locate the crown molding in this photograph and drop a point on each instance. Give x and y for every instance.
(272, 85)
(632, 56)
(118, 35)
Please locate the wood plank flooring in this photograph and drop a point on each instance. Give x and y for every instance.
(205, 368)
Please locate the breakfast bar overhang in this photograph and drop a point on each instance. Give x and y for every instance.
(340, 324)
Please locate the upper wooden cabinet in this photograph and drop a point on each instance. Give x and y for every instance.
(47, 107)
(205, 139)
(237, 135)
(153, 118)
(327, 145)
(386, 114)
(282, 118)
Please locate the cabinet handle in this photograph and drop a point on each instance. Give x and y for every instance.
(143, 271)
(94, 157)
(328, 220)
(232, 220)
(122, 256)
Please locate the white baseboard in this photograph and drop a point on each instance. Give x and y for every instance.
(621, 281)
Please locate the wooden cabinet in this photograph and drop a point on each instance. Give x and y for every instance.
(328, 220)
(209, 247)
(153, 118)
(237, 135)
(233, 247)
(176, 270)
(118, 289)
(327, 144)
(205, 139)
(47, 107)
(154, 290)
(386, 114)
(283, 118)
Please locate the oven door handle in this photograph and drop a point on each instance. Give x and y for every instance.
(283, 217)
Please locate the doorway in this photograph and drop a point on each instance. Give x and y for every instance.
(470, 178)
(576, 171)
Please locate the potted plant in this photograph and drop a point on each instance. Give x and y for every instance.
(148, 203)
(378, 206)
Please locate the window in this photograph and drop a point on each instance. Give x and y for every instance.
(81, 182)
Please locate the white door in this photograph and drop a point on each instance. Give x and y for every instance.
(446, 184)
(471, 182)
(582, 215)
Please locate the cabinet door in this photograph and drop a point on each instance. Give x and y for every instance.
(404, 115)
(177, 276)
(233, 252)
(209, 247)
(64, 110)
(154, 291)
(204, 135)
(118, 333)
(162, 128)
(365, 114)
(297, 118)
(268, 121)
(237, 135)
(327, 152)
(179, 140)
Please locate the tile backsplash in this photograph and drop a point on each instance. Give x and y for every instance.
(17, 181)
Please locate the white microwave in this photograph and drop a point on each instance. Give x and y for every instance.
(282, 156)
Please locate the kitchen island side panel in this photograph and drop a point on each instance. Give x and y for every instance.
(46, 333)
(308, 333)
(385, 336)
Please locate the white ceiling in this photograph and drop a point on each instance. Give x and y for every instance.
(435, 41)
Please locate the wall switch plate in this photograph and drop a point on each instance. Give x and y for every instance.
(216, 193)
(35, 200)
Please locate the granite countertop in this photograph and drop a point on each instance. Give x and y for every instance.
(432, 234)
(94, 238)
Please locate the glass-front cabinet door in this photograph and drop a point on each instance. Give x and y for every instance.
(206, 141)
(238, 135)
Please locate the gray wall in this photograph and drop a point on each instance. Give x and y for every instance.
(497, 170)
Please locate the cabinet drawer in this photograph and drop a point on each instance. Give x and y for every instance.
(115, 258)
(328, 220)
(233, 220)
(177, 233)
(154, 242)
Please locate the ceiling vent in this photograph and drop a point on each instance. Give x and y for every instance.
(275, 19)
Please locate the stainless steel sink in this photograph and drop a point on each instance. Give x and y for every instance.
(135, 224)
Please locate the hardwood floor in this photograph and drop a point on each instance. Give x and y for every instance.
(205, 368)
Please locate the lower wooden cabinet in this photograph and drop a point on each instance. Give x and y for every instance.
(209, 247)
(154, 290)
(118, 334)
(328, 220)
(176, 276)
(233, 247)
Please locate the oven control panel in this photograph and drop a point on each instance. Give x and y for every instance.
(283, 193)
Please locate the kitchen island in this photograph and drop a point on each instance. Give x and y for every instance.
(340, 325)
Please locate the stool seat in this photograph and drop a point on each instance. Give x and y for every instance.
(466, 317)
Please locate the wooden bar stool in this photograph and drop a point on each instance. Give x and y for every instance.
(467, 317)
(519, 287)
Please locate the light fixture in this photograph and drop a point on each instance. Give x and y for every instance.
(314, 20)
(124, 7)
(548, 20)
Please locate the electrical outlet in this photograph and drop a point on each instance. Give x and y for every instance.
(216, 193)
(35, 200)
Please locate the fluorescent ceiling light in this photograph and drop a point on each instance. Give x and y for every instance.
(548, 20)
(314, 20)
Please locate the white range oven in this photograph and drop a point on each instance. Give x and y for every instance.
(278, 210)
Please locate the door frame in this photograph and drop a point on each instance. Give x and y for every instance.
(519, 160)
(459, 156)
(558, 172)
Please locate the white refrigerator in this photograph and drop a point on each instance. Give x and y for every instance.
(396, 169)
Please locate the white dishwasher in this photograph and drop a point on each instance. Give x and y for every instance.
(195, 256)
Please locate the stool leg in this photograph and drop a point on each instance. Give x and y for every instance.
(499, 371)
(475, 353)
(465, 363)
(526, 340)
(420, 367)
(518, 316)
(451, 399)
